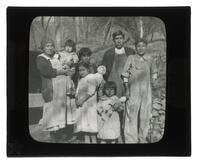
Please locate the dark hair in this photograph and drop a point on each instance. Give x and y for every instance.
(139, 40)
(110, 84)
(82, 64)
(73, 65)
(71, 43)
(116, 33)
(85, 51)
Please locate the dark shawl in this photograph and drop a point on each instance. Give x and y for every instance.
(47, 72)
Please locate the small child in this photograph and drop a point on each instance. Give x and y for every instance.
(86, 101)
(108, 117)
(69, 53)
(68, 59)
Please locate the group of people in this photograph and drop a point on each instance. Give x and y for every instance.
(108, 103)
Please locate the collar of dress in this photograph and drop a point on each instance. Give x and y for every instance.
(56, 56)
(45, 56)
(120, 51)
(142, 58)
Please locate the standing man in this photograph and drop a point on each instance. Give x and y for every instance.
(114, 60)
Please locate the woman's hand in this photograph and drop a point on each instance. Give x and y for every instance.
(117, 105)
(79, 102)
(63, 71)
(68, 72)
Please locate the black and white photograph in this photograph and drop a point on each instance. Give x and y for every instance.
(97, 80)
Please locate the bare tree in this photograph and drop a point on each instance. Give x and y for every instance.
(99, 29)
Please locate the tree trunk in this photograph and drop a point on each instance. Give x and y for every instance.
(58, 33)
(152, 37)
(77, 26)
(33, 37)
(107, 29)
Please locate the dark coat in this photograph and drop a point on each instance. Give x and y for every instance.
(47, 72)
(108, 59)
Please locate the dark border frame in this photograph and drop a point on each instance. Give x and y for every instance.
(177, 136)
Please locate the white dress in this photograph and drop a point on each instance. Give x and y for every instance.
(108, 118)
(66, 57)
(86, 116)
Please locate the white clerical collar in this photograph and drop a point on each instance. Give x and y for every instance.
(119, 51)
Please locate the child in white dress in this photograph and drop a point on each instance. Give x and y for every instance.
(69, 53)
(108, 117)
(86, 101)
(68, 59)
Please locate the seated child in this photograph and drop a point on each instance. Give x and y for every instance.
(108, 117)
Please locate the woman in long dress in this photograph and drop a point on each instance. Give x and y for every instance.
(138, 73)
(53, 89)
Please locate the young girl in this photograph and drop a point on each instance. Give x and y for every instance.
(108, 117)
(85, 57)
(68, 58)
(69, 53)
(86, 101)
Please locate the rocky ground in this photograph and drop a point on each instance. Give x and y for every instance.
(157, 122)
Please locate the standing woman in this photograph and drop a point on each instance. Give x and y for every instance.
(139, 71)
(53, 89)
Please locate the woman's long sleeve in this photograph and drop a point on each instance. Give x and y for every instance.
(45, 67)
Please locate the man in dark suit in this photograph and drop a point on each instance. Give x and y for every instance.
(114, 60)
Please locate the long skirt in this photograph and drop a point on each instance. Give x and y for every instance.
(54, 112)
